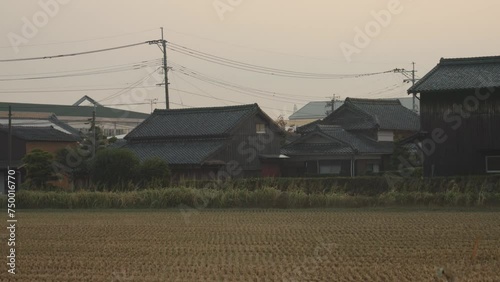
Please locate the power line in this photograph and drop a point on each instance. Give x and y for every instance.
(133, 85)
(241, 89)
(96, 68)
(74, 54)
(84, 73)
(262, 69)
(83, 40)
(267, 92)
(70, 90)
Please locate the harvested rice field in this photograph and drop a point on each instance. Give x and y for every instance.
(256, 245)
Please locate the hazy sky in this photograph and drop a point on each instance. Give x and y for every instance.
(295, 35)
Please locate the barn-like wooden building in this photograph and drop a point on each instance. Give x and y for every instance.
(460, 116)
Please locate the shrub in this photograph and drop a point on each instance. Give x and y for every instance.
(114, 168)
(154, 173)
(38, 164)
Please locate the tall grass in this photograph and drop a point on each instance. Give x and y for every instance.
(267, 197)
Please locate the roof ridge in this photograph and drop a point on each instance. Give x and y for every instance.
(204, 109)
(470, 60)
(390, 101)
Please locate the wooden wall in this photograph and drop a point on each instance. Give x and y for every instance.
(469, 124)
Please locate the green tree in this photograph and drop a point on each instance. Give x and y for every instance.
(154, 171)
(38, 164)
(114, 167)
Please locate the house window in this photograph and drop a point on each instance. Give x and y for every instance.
(329, 167)
(493, 164)
(260, 128)
(385, 136)
(373, 168)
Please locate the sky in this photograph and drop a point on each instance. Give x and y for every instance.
(334, 38)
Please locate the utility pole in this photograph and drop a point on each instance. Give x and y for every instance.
(165, 69)
(413, 83)
(152, 101)
(332, 102)
(94, 132)
(10, 139)
(410, 77)
(163, 48)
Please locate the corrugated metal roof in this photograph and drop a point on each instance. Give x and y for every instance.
(196, 122)
(314, 110)
(72, 111)
(461, 74)
(51, 121)
(39, 134)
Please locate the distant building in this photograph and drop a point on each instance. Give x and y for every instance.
(356, 139)
(33, 119)
(318, 110)
(312, 111)
(113, 121)
(460, 116)
(26, 139)
(211, 143)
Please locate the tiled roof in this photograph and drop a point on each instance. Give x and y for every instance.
(318, 110)
(188, 123)
(386, 114)
(461, 74)
(179, 152)
(358, 142)
(342, 143)
(308, 127)
(39, 134)
(72, 111)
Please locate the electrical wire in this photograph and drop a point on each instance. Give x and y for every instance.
(83, 40)
(84, 73)
(244, 90)
(73, 54)
(133, 85)
(68, 90)
(261, 69)
(89, 69)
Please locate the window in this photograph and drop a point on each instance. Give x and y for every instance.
(387, 136)
(493, 164)
(329, 167)
(260, 128)
(373, 168)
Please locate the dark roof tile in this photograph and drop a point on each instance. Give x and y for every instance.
(461, 74)
(386, 114)
(196, 122)
(181, 152)
(342, 143)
